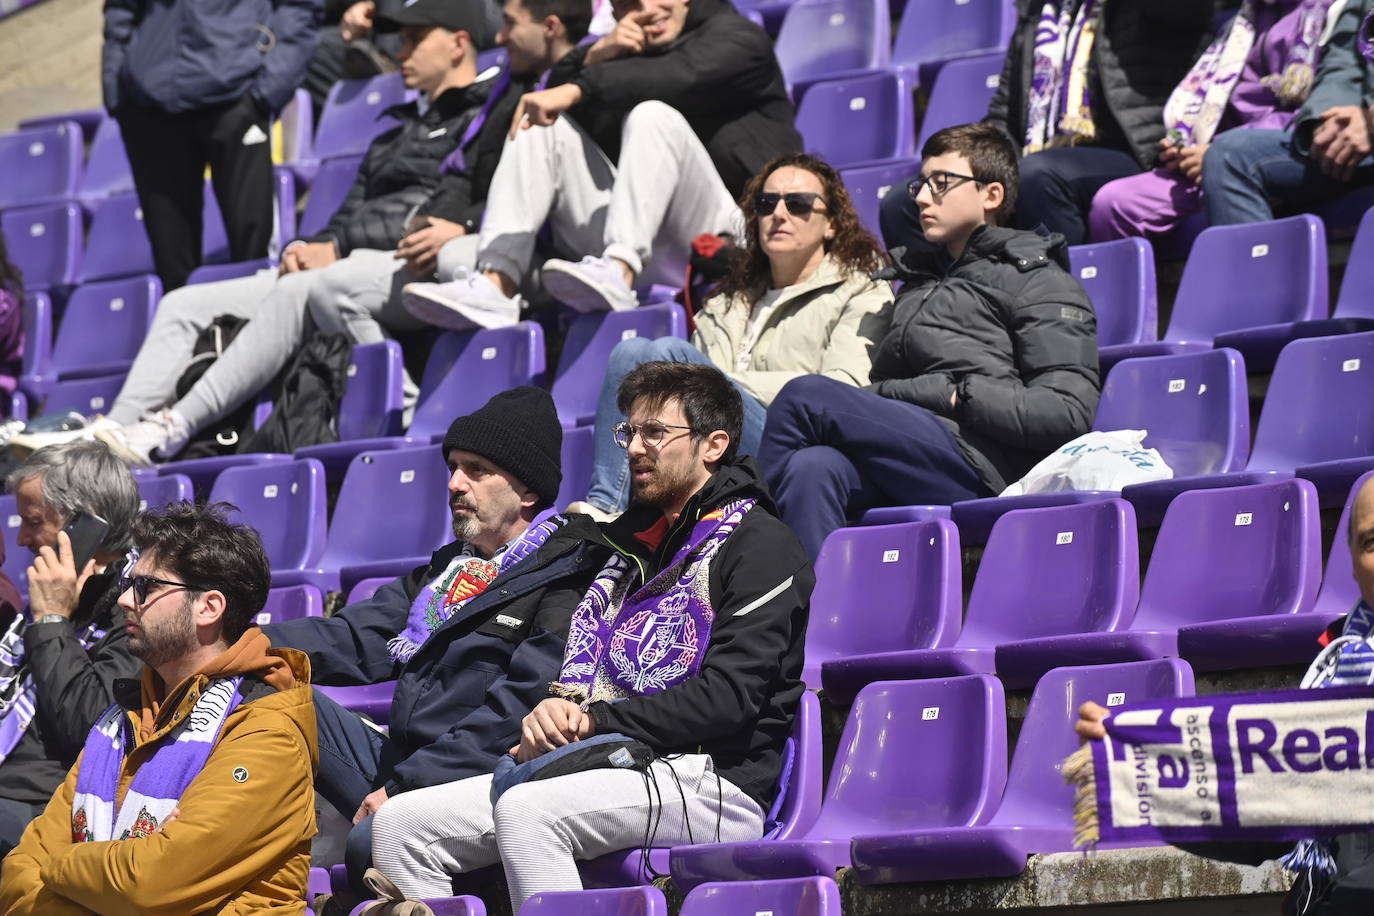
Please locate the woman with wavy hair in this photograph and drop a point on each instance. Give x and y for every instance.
(800, 301)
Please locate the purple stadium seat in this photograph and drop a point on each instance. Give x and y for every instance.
(371, 700)
(895, 515)
(40, 165)
(858, 120)
(884, 587)
(1036, 811)
(1283, 262)
(89, 120)
(317, 883)
(913, 754)
(45, 243)
(103, 326)
(117, 245)
(611, 901)
(157, 490)
(366, 588)
(1119, 278)
(1338, 592)
(441, 906)
(591, 338)
(286, 502)
(576, 463)
(1062, 569)
(203, 472)
(351, 117)
(291, 603)
(814, 896)
(335, 176)
(296, 120)
(17, 559)
(822, 37)
(107, 167)
(35, 369)
(960, 94)
(1204, 576)
(86, 396)
(868, 186)
(966, 28)
(371, 404)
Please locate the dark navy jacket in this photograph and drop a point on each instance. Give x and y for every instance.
(181, 55)
(460, 699)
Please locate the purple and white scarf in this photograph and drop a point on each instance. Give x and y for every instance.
(1058, 105)
(625, 645)
(1195, 107)
(466, 576)
(18, 692)
(1294, 83)
(163, 778)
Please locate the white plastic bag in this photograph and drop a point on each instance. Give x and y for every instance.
(1095, 461)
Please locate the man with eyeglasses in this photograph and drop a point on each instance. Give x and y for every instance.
(193, 792)
(688, 645)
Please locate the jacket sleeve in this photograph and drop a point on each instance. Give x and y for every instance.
(295, 27)
(1341, 75)
(349, 648)
(765, 592)
(23, 891)
(228, 832)
(453, 200)
(931, 391)
(120, 16)
(473, 743)
(74, 686)
(1055, 398)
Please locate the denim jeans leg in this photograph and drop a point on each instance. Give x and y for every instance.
(354, 757)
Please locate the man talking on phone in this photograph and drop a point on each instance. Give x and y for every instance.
(59, 658)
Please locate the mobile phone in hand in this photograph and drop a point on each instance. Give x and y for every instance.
(86, 532)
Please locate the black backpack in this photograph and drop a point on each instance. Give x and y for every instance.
(306, 398)
(223, 437)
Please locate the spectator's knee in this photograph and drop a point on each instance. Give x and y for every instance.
(805, 389)
(630, 352)
(654, 116)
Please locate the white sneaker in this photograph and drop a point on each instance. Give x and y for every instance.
(585, 508)
(468, 301)
(590, 285)
(159, 435)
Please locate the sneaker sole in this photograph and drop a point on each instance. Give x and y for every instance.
(441, 313)
(580, 295)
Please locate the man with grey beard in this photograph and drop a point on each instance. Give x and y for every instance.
(473, 638)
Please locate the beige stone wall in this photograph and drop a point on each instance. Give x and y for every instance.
(49, 59)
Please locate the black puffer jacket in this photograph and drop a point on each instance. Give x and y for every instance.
(721, 74)
(401, 171)
(1009, 330)
(1144, 49)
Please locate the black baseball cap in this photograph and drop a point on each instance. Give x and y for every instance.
(454, 15)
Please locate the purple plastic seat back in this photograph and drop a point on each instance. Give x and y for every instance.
(1195, 407)
(1057, 570)
(859, 119)
(45, 243)
(885, 776)
(17, 559)
(1283, 262)
(104, 325)
(1339, 592)
(117, 245)
(1354, 300)
(964, 26)
(960, 94)
(290, 602)
(465, 905)
(1318, 407)
(86, 396)
(643, 900)
(352, 114)
(1233, 552)
(327, 191)
(372, 400)
(868, 186)
(814, 896)
(285, 501)
(1119, 277)
(819, 37)
(590, 340)
(365, 589)
(35, 369)
(157, 490)
(392, 504)
(107, 166)
(578, 445)
(465, 369)
(40, 164)
(884, 588)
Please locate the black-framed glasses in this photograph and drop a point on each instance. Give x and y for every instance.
(140, 585)
(940, 182)
(651, 433)
(798, 203)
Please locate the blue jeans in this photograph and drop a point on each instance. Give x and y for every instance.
(610, 487)
(1246, 172)
(831, 451)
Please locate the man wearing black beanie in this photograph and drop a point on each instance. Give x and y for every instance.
(472, 639)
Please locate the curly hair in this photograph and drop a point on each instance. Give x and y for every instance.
(853, 246)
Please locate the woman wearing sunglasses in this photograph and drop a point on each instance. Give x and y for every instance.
(801, 301)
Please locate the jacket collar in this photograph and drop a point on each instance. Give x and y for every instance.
(829, 273)
(1026, 250)
(447, 105)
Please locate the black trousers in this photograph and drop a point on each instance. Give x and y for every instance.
(168, 154)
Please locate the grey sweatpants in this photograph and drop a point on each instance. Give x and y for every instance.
(540, 829)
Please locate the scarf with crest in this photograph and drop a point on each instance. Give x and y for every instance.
(18, 692)
(1058, 106)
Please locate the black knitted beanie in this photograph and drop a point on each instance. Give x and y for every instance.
(518, 430)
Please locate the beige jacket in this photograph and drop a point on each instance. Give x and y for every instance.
(828, 325)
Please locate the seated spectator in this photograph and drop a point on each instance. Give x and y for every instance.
(466, 658)
(1323, 153)
(11, 324)
(1081, 94)
(668, 117)
(1253, 77)
(991, 362)
(800, 301)
(193, 792)
(725, 589)
(61, 656)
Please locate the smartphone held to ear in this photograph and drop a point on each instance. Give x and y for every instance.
(86, 532)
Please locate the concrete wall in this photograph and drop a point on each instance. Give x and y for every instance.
(51, 59)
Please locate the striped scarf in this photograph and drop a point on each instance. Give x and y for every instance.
(18, 692)
(1059, 106)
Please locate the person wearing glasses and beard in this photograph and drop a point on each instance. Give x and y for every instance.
(990, 365)
(800, 301)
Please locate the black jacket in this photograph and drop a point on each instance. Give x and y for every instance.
(721, 74)
(460, 699)
(741, 705)
(74, 687)
(1144, 49)
(1007, 328)
(401, 171)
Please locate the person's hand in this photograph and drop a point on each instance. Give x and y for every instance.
(420, 249)
(1168, 153)
(1190, 161)
(171, 816)
(1089, 725)
(371, 803)
(552, 724)
(309, 256)
(1341, 141)
(54, 585)
(627, 38)
(542, 108)
(357, 20)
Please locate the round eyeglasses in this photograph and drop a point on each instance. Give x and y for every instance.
(650, 433)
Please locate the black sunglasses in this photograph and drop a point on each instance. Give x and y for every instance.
(798, 203)
(140, 586)
(940, 183)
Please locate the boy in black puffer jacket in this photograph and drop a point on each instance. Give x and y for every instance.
(991, 362)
